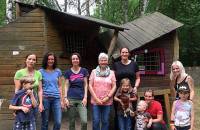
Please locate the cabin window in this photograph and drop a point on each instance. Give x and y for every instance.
(150, 61)
(75, 42)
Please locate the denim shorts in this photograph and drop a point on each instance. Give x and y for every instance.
(28, 125)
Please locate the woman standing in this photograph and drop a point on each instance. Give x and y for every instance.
(102, 85)
(126, 68)
(29, 70)
(76, 87)
(52, 91)
(180, 78)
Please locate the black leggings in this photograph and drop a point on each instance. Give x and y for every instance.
(182, 128)
(158, 126)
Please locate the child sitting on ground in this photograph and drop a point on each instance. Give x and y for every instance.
(23, 104)
(143, 119)
(182, 115)
(124, 96)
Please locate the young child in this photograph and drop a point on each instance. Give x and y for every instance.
(23, 104)
(182, 116)
(125, 95)
(143, 119)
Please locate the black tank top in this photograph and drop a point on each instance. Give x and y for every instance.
(178, 85)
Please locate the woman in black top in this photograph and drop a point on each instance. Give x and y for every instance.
(126, 68)
(179, 78)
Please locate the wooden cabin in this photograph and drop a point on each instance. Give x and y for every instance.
(153, 42)
(39, 29)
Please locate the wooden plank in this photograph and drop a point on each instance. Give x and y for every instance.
(29, 20)
(8, 67)
(134, 42)
(21, 42)
(147, 28)
(27, 25)
(6, 73)
(6, 80)
(8, 38)
(22, 47)
(22, 34)
(136, 34)
(21, 29)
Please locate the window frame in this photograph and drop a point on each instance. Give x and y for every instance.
(162, 61)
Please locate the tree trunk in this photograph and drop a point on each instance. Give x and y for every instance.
(57, 5)
(79, 7)
(65, 5)
(125, 3)
(87, 7)
(99, 5)
(9, 13)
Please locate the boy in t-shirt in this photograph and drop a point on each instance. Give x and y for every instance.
(143, 118)
(23, 103)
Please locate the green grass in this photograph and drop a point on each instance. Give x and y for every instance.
(197, 109)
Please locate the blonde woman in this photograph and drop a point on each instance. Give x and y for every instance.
(179, 78)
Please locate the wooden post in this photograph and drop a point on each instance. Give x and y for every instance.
(167, 106)
(176, 47)
(18, 12)
(113, 43)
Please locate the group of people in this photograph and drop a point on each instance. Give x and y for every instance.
(40, 91)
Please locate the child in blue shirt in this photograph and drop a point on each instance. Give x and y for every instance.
(23, 103)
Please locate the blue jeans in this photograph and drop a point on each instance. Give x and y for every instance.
(125, 123)
(55, 105)
(100, 117)
(76, 105)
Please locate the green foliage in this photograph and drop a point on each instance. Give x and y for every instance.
(113, 10)
(2, 12)
(188, 13)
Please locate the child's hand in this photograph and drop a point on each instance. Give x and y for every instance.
(66, 102)
(25, 109)
(132, 113)
(149, 122)
(29, 92)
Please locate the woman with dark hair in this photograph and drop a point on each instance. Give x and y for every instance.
(126, 68)
(52, 91)
(29, 70)
(76, 88)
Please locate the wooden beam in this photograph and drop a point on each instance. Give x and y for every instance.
(113, 43)
(18, 12)
(176, 47)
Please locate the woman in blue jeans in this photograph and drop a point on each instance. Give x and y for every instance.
(52, 91)
(102, 85)
(76, 88)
